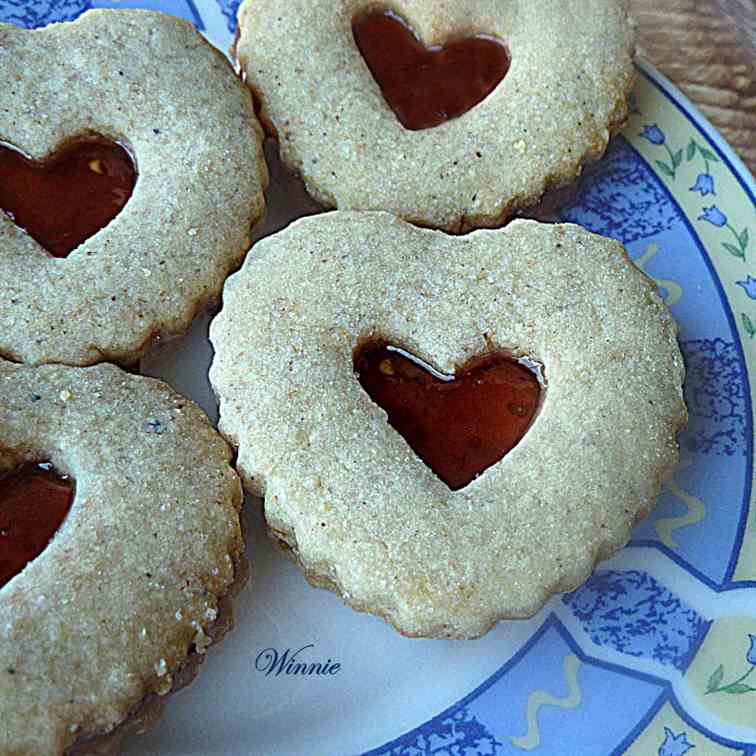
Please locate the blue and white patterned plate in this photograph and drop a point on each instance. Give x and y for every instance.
(656, 653)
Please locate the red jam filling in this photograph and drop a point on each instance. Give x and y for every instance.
(427, 86)
(34, 501)
(64, 199)
(458, 425)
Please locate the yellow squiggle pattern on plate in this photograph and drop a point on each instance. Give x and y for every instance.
(539, 698)
(674, 290)
(665, 526)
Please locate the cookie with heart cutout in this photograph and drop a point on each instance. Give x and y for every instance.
(384, 478)
(131, 162)
(450, 115)
(120, 552)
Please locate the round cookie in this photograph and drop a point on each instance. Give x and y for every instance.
(346, 495)
(121, 606)
(564, 95)
(151, 82)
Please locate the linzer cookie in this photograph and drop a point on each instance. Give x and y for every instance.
(452, 115)
(447, 430)
(131, 174)
(120, 549)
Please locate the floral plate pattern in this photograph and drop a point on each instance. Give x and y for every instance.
(656, 653)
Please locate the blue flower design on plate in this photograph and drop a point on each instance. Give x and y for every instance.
(674, 745)
(459, 734)
(716, 398)
(704, 184)
(749, 285)
(41, 12)
(229, 8)
(714, 216)
(620, 197)
(751, 655)
(654, 134)
(739, 686)
(658, 138)
(636, 615)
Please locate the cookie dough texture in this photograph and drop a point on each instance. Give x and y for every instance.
(152, 82)
(344, 492)
(129, 589)
(563, 97)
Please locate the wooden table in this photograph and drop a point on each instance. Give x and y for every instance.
(707, 48)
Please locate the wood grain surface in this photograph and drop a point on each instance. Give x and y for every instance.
(707, 48)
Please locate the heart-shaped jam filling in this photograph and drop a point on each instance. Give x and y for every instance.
(458, 425)
(427, 86)
(34, 501)
(64, 199)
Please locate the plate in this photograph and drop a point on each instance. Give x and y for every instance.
(656, 653)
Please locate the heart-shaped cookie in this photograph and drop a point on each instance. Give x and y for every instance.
(460, 424)
(64, 199)
(425, 86)
(350, 497)
(33, 503)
